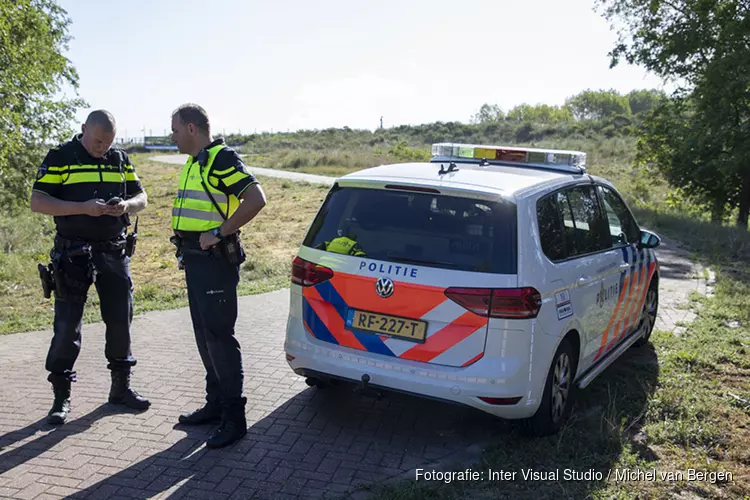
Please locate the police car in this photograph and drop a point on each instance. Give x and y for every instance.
(496, 277)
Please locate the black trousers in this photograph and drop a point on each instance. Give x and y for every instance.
(212, 294)
(114, 286)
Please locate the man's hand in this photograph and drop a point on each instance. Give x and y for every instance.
(95, 208)
(117, 209)
(208, 240)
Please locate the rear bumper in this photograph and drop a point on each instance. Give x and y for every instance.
(463, 386)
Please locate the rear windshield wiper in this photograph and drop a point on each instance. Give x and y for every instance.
(420, 261)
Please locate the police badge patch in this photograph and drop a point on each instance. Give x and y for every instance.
(41, 172)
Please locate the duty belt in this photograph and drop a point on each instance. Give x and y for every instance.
(95, 246)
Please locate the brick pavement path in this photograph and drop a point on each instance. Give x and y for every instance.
(302, 443)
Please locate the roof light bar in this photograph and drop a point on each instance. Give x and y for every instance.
(569, 161)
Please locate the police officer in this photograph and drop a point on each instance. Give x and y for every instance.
(74, 184)
(216, 197)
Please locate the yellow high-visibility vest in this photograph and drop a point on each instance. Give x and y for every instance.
(192, 209)
(345, 246)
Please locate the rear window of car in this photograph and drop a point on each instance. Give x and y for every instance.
(441, 231)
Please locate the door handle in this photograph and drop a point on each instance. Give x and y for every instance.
(585, 280)
(624, 266)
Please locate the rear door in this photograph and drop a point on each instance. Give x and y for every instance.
(413, 271)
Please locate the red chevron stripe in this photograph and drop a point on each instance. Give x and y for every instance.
(447, 337)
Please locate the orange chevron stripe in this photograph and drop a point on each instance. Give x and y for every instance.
(641, 297)
(605, 334)
(628, 305)
(447, 337)
(332, 319)
(651, 270)
(621, 325)
(408, 300)
(636, 309)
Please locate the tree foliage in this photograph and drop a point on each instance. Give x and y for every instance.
(541, 113)
(701, 139)
(645, 100)
(488, 113)
(597, 105)
(589, 105)
(33, 71)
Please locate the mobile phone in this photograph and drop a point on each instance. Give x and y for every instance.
(114, 200)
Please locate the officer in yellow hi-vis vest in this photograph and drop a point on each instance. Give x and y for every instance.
(90, 188)
(216, 196)
(346, 245)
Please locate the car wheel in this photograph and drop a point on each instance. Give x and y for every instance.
(648, 314)
(557, 399)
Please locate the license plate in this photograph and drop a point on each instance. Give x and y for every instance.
(383, 324)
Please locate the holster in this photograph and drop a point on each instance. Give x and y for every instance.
(230, 249)
(47, 275)
(70, 285)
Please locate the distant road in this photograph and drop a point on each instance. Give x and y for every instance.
(269, 172)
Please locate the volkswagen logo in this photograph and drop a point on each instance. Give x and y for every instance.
(384, 287)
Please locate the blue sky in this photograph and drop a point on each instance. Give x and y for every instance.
(289, 65)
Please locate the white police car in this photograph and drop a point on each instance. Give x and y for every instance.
(494, 277)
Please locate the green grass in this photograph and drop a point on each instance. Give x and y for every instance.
(271, 241)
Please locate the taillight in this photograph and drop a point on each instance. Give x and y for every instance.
(306, 273)
(508, 303)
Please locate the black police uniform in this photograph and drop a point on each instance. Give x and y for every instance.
(212, 278)
(70, 173)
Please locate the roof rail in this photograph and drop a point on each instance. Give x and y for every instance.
(547, 159)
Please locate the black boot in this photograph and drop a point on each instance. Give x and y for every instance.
(233, 425)
(61, 406)
(121, 393)
(204, 415)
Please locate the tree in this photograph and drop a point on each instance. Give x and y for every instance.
(703, 46)
(541, 113)
(598, 105)
(33, 70)
(488, 113)
(677, 138)
(643, 101)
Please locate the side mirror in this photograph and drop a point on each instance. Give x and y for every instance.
(649, 239)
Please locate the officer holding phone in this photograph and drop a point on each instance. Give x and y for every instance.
(90, 188)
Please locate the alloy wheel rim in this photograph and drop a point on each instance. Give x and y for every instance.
(560, 386)
(648, 316)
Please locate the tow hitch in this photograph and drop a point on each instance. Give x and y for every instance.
(365, 389)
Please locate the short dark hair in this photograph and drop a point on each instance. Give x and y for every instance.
(101, 118)
(192, 113)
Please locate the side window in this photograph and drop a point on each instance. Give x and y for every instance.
(623, 229)
(569, 226)
(590, 227)
(550, 228)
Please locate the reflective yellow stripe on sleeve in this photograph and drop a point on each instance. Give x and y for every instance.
(234, 178)
(223, 172)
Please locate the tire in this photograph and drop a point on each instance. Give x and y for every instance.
(557, 399)
(648, 314)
